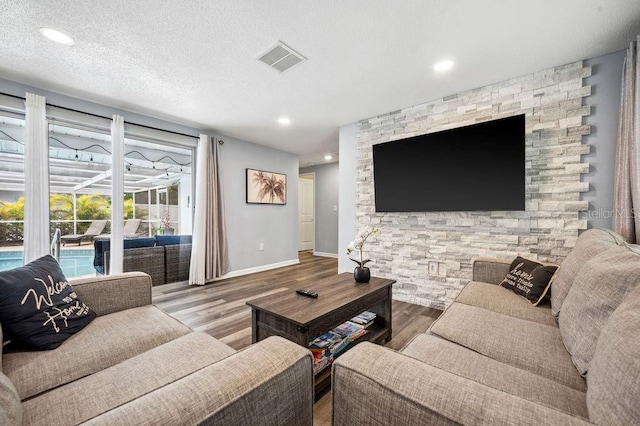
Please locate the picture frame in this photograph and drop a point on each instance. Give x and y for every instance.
(266, 187)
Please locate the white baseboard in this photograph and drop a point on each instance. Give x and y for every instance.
(262, 268)
(321, 254)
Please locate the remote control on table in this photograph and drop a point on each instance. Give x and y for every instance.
(307, 293)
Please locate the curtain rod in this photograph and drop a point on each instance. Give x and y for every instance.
(106, 118)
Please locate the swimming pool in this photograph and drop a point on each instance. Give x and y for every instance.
(74, 263)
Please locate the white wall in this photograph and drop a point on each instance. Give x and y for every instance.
(605, 82)
(248, 225)
(348, 136)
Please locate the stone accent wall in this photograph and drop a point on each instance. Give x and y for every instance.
(430, 253)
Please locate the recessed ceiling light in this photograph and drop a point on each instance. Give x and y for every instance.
(57, 36)
(443, 66)
(328, 157)
(284, 121)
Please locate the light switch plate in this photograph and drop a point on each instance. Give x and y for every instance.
(433, 268)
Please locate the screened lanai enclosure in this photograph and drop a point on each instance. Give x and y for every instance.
(157, 181)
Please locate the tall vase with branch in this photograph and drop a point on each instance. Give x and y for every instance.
(355, 252)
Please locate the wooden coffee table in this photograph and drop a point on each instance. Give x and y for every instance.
(301, 319)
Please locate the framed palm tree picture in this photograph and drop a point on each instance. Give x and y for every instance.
(266, 187)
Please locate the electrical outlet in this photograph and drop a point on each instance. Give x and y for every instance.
(261, 247)
(442, 269)
(433, 268)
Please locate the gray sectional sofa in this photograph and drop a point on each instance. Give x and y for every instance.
(493, 358)
(133, 364)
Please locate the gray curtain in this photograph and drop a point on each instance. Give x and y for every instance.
(209, 252)
(626, 199)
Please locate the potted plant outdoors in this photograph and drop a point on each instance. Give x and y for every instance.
(361, 273)
(165, 225)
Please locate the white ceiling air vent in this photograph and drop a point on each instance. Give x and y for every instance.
(281, 57)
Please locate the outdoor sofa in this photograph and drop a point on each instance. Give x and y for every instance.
(135, 365)
(494, 358)
(165, 258)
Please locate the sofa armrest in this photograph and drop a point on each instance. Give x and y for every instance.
(376, 385)
(113, 293)
(268, 383)
(490, 270)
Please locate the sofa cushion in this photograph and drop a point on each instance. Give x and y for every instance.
(614, 372)
(590, 243)
(523, 344)
(268, 383)
(599, 288)
(107, 341)
(529, 279)
(498, 299)
(466, 363)
(38, 308)
(124, 382)
(169, 240)
(11, 409)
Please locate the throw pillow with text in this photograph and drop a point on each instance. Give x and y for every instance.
(38, 308)
(529, 279)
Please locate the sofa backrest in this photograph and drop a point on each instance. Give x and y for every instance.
(149, 260)
(177, 258)
(613, 382)
(590, 243)
(102, 246)
(11, 412)
(168, 240)
(599, 288)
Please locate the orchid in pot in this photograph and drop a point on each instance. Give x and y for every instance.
(355, 252)
(165, 224)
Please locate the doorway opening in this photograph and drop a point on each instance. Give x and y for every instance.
(306, 212)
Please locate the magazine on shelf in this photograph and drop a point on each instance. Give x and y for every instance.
(326, 347)
(325, 341)
(331, 342)
(365, 318)
(351, 330)
(321, 364)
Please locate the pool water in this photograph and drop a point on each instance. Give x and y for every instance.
(74, 263)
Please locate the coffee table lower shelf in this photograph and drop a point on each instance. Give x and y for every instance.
(322, 380)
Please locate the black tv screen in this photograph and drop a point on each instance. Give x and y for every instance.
(477, 167)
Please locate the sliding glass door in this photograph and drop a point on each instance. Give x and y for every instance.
(11, 191)
(80, 193)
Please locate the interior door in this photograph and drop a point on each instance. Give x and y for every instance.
(306, 222)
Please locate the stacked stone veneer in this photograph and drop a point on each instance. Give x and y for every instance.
(430, 253)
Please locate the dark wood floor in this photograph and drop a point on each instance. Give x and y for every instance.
(220, 310)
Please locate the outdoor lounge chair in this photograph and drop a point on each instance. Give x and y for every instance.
(96, 227)
(131, 228)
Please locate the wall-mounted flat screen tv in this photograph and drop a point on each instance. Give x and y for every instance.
(471, 168)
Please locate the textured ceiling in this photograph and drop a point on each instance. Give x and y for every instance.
(195, 62)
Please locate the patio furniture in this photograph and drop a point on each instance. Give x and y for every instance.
(96, 227)
(130, 230)
(165, 258)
